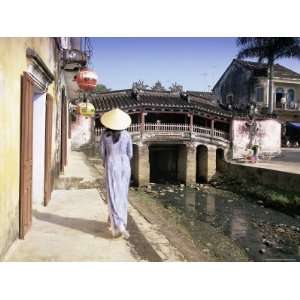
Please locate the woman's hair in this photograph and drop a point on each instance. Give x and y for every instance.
(115, 134)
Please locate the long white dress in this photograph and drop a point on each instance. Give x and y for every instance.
(116, 158)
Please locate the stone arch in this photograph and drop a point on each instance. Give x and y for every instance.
(201, 162)
(163, 162)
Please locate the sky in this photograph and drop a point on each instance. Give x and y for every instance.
(195, 63)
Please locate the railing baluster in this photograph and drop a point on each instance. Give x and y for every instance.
(169, 127)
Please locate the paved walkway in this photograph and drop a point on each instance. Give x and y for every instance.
(289, 162)
(72, 228)
(73, 225)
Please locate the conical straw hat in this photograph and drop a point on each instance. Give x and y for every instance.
(116, 119)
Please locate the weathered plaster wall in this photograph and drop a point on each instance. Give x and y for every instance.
(81, 132)
(267, 136)
(235, 82)
(13, 63)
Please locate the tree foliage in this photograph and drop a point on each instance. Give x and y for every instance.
(101, 88)
(268, 49)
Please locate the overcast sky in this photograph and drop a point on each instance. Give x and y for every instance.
(195, 63)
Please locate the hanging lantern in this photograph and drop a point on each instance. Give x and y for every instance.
(86, 79)
(86, 109)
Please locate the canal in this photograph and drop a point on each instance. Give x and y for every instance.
(263, 234)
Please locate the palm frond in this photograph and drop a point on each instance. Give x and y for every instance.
(250, 52)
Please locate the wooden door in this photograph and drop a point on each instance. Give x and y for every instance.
(63, 160)
(48, 149)
(26, 154)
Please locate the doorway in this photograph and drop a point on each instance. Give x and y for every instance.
(35, 150)
(38, 150)
(26, 144)
(279, 96)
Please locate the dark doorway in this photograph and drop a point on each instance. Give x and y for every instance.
(163, 163)
(279, 96)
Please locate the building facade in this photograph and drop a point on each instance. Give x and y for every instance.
(244, 82)
(34, 117)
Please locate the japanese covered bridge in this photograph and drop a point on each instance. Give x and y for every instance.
(177, 137)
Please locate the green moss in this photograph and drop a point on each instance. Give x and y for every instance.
(282, 200)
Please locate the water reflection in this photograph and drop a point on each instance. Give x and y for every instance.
(210, 208)
(190, 201)
(239, 224)
(252, 227)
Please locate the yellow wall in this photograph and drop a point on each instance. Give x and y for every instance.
(13, 63)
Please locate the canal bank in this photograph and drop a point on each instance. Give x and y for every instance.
(267, 181)
(223, 224)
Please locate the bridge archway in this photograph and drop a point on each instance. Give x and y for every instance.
(201, 161)
(134, 165)
(163, 162)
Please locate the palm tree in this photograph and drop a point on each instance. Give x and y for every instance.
(269, 49)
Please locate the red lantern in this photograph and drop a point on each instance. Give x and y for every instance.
(86, 79)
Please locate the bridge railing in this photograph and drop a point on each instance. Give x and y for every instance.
(165, 127)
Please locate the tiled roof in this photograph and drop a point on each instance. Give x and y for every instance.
(205, 95)
(279, 70)
(139, 99)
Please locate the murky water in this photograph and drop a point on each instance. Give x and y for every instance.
(264, 234)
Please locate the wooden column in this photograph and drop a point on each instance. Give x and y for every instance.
(191, 122)
(143, 114)
(212, 125)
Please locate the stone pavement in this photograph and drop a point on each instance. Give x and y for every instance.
(71, 228)
(289, 162)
